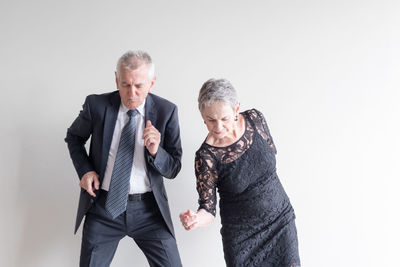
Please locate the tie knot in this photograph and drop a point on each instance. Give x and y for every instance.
(132, 113)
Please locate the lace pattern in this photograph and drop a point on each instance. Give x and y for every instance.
(258, 227)
(262, 128)
(207, 157)
(206, 181)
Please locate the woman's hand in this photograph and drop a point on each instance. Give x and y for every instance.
(191, 220)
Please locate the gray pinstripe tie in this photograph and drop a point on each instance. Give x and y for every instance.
(117, 197)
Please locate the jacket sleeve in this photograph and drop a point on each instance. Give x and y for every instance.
(168, 158)
(77, 135)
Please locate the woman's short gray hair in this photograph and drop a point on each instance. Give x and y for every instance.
(217, 90)
(132, 60)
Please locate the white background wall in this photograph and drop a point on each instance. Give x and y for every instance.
(324, 73)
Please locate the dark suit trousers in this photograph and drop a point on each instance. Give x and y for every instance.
(142, 221)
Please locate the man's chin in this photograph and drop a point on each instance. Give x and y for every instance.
(131, 105)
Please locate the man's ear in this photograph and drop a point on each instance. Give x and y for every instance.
(152, 83)
(116, 79)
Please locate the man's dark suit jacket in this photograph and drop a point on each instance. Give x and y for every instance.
(97, 120)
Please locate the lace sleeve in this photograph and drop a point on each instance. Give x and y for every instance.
(262, 127)
(206, 181)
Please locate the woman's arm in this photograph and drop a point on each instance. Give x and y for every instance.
(206, 175)
(191, 220)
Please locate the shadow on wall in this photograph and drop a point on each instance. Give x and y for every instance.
(47, 199)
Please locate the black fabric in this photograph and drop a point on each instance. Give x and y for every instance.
(141, 221)
(132, 197)
(258, 227)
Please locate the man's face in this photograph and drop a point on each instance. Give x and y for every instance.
(134, 86)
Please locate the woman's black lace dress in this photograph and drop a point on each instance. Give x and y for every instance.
(257, 219)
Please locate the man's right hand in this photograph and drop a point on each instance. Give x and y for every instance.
(89, 181)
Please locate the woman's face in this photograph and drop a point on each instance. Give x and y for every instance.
(219, 118)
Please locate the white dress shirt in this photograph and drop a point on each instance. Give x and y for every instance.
(139, 181)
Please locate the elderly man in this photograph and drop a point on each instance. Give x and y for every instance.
(135, 142)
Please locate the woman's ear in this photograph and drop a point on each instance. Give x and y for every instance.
(237, 107)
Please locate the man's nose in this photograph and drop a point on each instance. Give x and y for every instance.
(131, 91)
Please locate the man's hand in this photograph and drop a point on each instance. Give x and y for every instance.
(89, 181)
(152, 138)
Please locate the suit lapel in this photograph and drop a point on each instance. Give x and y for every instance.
(110, 118)
(150, 110)
(150, 114)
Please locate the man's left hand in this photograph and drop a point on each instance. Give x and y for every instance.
(151, 137)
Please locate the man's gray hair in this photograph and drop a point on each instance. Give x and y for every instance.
(132, 60)
(217, 90)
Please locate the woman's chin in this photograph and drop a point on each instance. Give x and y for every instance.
(218, 135)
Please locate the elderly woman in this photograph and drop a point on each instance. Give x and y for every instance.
(238, 158)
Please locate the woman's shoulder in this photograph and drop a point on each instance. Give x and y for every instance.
(202, 150)
(253, 114)
(204, 158)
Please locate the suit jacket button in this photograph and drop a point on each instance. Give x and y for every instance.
(91, 200)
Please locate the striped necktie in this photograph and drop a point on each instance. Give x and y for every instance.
(117, 196)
